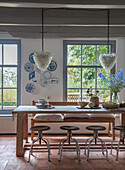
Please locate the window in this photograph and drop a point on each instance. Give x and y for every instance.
(81, 69)
(9, 75)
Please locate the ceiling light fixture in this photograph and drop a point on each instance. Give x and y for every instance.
(42, 59)
(108, 60)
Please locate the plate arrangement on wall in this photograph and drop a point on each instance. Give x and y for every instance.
(46, 75)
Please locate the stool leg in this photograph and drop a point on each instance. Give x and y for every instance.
(77, 147)
(111, 146)
(117, 151)
(69, 135)
(60, 145)
(86, 144)
(89, 148)
(103, 144)
(62, 149)
(30, 152)
(48, 143)
(48, 146)
(40, 136)
(95, 135)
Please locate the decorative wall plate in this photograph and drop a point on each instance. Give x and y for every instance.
(52, 66)
(30, 88)
(47, 75)
(31, 58)
(54, 81)
(44, 83)
(28, 67)
(31, 75)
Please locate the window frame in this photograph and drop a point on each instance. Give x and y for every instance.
(112, 43)
(18, 66)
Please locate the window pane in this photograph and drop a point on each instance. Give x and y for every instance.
(9, 98)
(100, 83)
(101, 49)
(0, 99)
(0, 77)
(88, 77)
(85, 98)
(73, 95)
(104, 95)
(10, 54)
(73, 77)
(74, 55)
(88, 55)
(0, 54)
(10, 77)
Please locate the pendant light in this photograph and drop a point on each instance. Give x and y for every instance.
(42, 59)
(108, 60)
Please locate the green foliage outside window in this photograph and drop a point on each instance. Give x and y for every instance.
(85, 55)
(9, 80)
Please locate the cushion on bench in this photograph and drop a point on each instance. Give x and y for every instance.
(102, 115)
(76, 116)
(49, 117)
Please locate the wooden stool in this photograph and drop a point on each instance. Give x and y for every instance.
(68, 139)
(95, 138)
(40, 129)
(122, 138)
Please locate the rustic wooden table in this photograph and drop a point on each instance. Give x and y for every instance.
(22, 119)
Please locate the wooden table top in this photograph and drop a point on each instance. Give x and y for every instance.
(65, 109)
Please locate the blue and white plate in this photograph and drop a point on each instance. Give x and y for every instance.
(44, 83)
(29, 67)
(52, 66)
(31, 58)
(47, 75)
(30, 88)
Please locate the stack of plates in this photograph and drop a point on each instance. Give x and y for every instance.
(41, 106)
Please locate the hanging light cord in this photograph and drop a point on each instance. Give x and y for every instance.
(108, 30)
(42, 29)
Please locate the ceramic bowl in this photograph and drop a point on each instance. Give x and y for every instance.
(42, 101)
(82, 104)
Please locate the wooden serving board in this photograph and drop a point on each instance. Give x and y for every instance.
(89, 107)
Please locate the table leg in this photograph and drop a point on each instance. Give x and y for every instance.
(25, 127)
(122, 119)
(19, 139)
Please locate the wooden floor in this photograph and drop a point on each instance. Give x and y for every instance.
(9, 161)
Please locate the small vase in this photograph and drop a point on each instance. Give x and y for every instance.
(115, 98)
(95, 100)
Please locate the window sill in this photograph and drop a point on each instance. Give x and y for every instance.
(6, 115)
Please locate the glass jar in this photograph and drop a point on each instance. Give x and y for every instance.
(115, 98)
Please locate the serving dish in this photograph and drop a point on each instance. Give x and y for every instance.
(110, 106)
(82, 104)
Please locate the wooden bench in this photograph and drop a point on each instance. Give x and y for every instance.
(94, 118)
